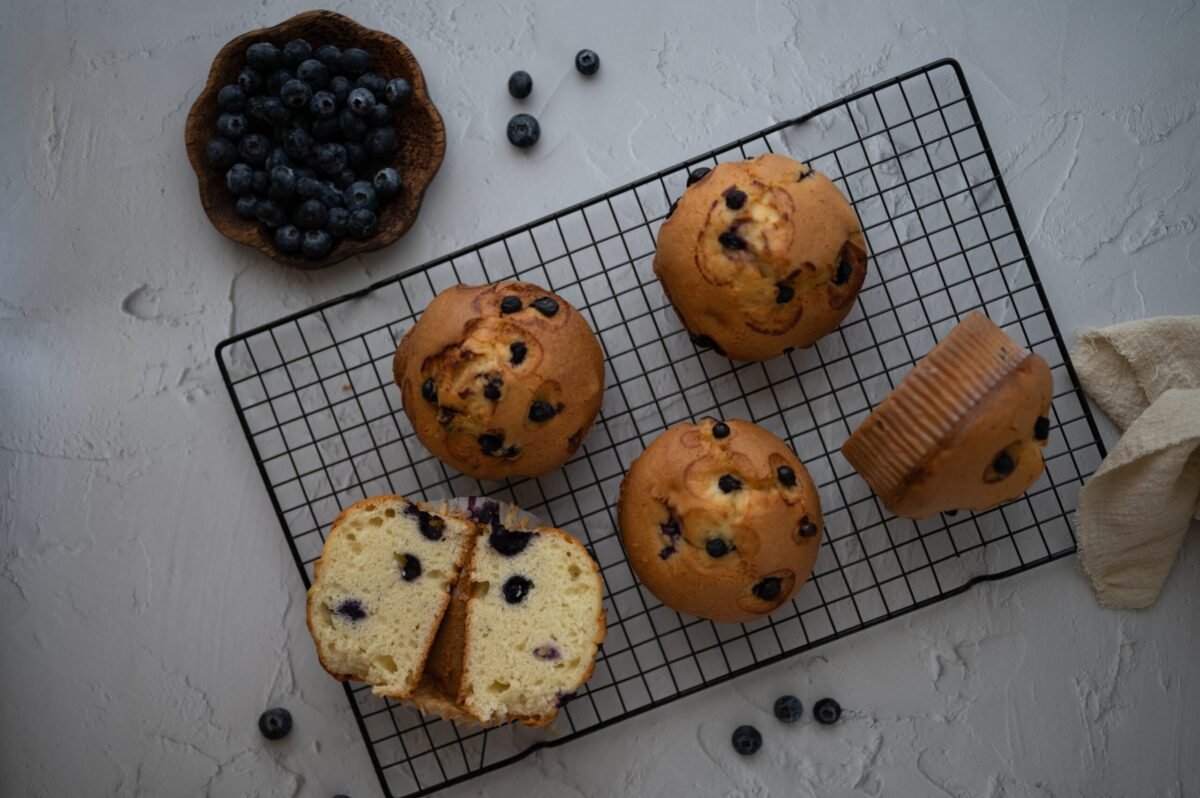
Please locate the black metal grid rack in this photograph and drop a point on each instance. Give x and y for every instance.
(315, 398)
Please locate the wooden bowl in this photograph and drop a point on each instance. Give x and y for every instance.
(422, 137)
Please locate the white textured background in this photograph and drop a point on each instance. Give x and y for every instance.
(149, 606)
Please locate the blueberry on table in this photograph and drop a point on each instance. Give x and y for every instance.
(340, 86)
(375, 83)
(827, 711)
(316, 243)
(275, 724)
(296, 94)
(270, 214)
(295, 52)
(240, 179)
(251, 80)
(314, 73)
(287, 238)
(221, 153)
(278, 78)
(524, 131)
(361, 101)
(788, 708)
(380, 116)
(356, 155)
(386, 182)
(587, 62)
(746, 740)
(338, 222)
(254, 149)
(397, 92)
(696, 175)
(355, 61)
(353, 126)
(362, 224)
(520, 84)
(298, 143)
(361, 194)
(231, 99)
(381, 142)
(263, 55)
(246, 206)
(311, 214)
(329, 55)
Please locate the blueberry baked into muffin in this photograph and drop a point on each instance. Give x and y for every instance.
(720, 520)
(761, 256)
(500, 380)
(964, 430)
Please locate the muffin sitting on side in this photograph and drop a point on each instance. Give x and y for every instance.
(760, 257)
(720, 520)
(500, 380)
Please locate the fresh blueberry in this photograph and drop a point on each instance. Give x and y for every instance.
(768, 589)
(360, 195)
(246, 206)
(287, 238)
(353, 127)
(275, 724)
(323, 104)
(506, 542)
(344, 179)
(746, 740)
(296, 94)
(355, 61)
(331, 158)
(256, 109)
(728, 483)
(517, 351)
(397, 92)
(827, 711)
(411, 569)
(351, 609)
(720, 430)
(1004, 464)
(731, 240)
(380, 116)
(387, 183)
(221, 153)
(784, 293)
(254, 149)
(263, 55)
(296, 52)
(375, 83)
(516, 588)
(787, 477)
(716, 547)
(340, 86)
(544, 305)
(587, 62)
(304, 171)
(251, 80)
(356, 155)
(510, 304)
(307, 187)
(329, 55)
(696, 175)
(329, 194)
(231, 99)
(338, 223)
(788, 708)
(311, 214)
(361, 101)
(381, 142)
(524, 131)
(541, 410)
(278, 157)
(314, 73)
(261, 181)
(326, 129)
(283, 180)
(735, 199)
(316, 243)
(520, 84)
(1041, 428)
(270, 214)
(277, 113)
(277, 79)
(297, 143)
(239, 179)
(844, 270)
(362, 224)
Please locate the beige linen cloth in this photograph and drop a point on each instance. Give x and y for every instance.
(1135, 510)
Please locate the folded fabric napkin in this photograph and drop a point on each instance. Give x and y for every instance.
(1135, 510)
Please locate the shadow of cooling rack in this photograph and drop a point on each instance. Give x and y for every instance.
(314, 395)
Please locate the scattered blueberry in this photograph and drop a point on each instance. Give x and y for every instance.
(270, 214)
(827, 711)
(544, 305)
(381, 142)
(287, 238)
(377, 84)
(696, 175)
(716, 547)
(587, 62)
(386, 182)
(311, 214)
(1041, 428)
(768, 589)
(251, 80)
(329, 55)
(263, 55)
(246, 206)
(720, 430)
(746, 740)
(728, 483)
(239, 179)
(355, 61)
(338, 223)
(314, 73)
(362, 224)
(541, 411)
(517, 351)
(295, 52)
(275, 724)
(787, 477)
(231, 99)
(731, 240)
(1004, 464)
(429, 390)
(516, 588)
(844, 270)
(316, 243)
(221, 153)
(735, 199)
(784, 293)
(411, 569)
(788, 708)
(520, 84)
(524, 131)
(360, 195)
(397, 92)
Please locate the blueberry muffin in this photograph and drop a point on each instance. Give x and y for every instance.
(720, 520)
(964, 430)
(500, 380)
(761, 256)
(381, 587)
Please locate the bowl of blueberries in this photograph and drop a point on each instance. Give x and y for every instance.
(314, 140)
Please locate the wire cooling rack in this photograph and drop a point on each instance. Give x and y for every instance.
(315, 398)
